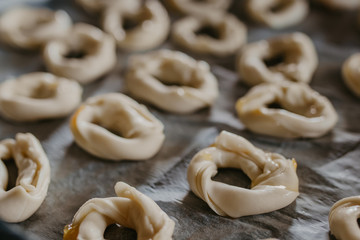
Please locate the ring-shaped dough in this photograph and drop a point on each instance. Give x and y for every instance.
(290, 57)
(114, 126)
(130, 209)
(303, 113)
(341, 4)
(20, 202)
(229, 34)
(343, 219)
(351, 73)
(149, 24)
(274, 183)
(85, 55)
(30, 28)
(38, 95)
(278, 14)
(156, 76)
(200, 8)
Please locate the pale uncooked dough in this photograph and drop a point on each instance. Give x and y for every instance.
(30, 28)
(303, 113)
(38, 95)
(151, 20)
(232, 34)
(20, 202)
(114, 126)
(287, 12)
(85, 55)
(343, 219)
(274, 183)
(289, 57)
(351, 73)
(150, 74)
(130, 209)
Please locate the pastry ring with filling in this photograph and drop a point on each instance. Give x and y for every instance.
(114, 126)
(218, 34)
(20, 202)
(290, 57)
(274, 183)
(351, 73)
(85, 55)
(278, 13)
(172, 81)
(30, 28)
(199, 8)
(137, 25)
(130, 209)
(38, 95)
(344, 218)
(288, 110)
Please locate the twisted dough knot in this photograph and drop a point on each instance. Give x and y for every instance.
(149, 24)
(303, 113)
(20, 202)
(85, 55)
(290, 57)
(351, 73)
(130, 209)
(343, 219)
(229, 34)
(30, 28)
(200, 8)
(278, 13)
(274, 183)
(156, 76)
(38, 95)
(114, 126)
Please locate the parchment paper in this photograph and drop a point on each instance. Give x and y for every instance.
(328, 167)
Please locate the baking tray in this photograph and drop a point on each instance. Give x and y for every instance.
(328, 167)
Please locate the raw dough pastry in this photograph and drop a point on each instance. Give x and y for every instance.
(114, 126)
(274, 183)
(38, 95)
(351, 73)
(150, 75)
(200, 8)
(278, 13)
(20, 202)
(130, 209)
(148, 24)
(341, 4)
(343, 219)
(303, 113)
(84, 55)
(30, 28)
(290, 57)
(227, 34)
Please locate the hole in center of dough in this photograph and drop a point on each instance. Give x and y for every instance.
(274, 105)
(130, 23)
(274, 60)
(281, 6)
(306, 109)
(43, 91)
(176, 74)
(76, 54)
(209, 31)
(116, 231)
(233, 176)
(12, 173)
(358, 222)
